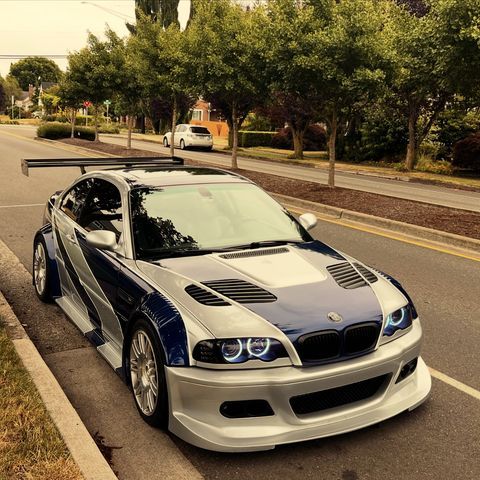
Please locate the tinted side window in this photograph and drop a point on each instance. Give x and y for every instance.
(74, 200)
(103, 209)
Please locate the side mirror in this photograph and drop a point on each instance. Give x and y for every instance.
(102, 239)
(308, 221)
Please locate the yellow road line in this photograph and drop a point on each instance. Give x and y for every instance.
(388, 235)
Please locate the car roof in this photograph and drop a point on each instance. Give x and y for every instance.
(166, 176)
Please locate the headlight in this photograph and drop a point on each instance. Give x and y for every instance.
(238, 350)
(398, 320)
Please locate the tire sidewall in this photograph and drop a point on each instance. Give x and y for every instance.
(182, 144)
(159, 418)
(165, 142)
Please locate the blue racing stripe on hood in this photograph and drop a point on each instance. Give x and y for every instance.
(300, 308)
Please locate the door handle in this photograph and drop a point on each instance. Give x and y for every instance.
(71, 238)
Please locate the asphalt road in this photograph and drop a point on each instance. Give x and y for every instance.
(438, 440)
(394, 188)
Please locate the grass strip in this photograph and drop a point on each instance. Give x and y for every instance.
(30, 445)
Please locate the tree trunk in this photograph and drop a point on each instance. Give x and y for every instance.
(332, 145)
(234, 137)
(95, 112)
(412, 137)
(174, 124)
(72, 121)
(142, 124)
(297, 142)
(130, 128)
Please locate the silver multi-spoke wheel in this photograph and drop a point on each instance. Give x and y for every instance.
(40, 268)
(143, 372)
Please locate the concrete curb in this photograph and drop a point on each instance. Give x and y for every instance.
(392, 225)
(83, 449)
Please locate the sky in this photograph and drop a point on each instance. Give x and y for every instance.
(57, 27)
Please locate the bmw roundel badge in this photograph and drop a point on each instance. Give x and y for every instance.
(335, 317)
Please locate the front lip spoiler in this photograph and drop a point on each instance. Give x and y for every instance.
(196, 395)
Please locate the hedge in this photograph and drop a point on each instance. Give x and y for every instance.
(466, 153)
(255, 139)
(57, 130)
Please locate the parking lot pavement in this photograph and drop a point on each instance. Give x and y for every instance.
(438, 440)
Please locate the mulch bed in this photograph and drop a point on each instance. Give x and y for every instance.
(460, 222)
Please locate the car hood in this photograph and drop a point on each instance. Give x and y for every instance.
(297, 276)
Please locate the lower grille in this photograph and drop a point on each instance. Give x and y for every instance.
(336, 397)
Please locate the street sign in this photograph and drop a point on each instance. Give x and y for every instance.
(87, 103)
(107, 102)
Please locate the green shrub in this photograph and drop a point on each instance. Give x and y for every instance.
(427, 164)
(256, 123)
(56, 130)
(255, 139)
(108, 128)
(466, 153)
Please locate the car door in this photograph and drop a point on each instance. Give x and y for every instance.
(100, 269)
(64, 220)
(179, 132)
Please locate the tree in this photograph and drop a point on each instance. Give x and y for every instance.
(29, 70)
(224, 44)
(160, 61)
(349, 59)
(9, 88)
(71, 95)
(97, 68)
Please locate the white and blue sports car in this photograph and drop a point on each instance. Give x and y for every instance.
(234, 327)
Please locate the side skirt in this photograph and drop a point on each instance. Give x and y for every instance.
(103, 346)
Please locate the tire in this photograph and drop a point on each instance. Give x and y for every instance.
(182, 144)
(145, 366)
(165, 142)
(208, 149)
(41, 271)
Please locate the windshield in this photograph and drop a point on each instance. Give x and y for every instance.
(199, 130)
(191, 219)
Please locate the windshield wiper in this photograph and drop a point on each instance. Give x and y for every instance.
(182, 252)
(266, 243)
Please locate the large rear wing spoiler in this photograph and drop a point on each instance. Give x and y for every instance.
(28, 163)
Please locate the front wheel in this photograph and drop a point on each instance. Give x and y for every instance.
(41, 271)
(182, 145)
(165, 142)
(147, 375)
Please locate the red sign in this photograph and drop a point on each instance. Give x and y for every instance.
(87, 104)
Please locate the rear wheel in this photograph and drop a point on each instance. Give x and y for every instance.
(41, 271)
(147, 375)
(165, 142)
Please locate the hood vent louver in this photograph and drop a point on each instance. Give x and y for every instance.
(370, 276)
(254, 253)
(205, 297)
(241, 291)
(346, 276)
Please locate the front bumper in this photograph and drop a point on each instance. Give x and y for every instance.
(196, 395)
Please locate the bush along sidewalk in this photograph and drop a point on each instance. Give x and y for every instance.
(30, 444)
(57, 130)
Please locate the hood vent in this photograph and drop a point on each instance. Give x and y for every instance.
(254, 253)
(241, 291)
(346, 276)
(205, 297)
(370, 276)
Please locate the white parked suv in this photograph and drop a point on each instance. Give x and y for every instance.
(190, 136)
